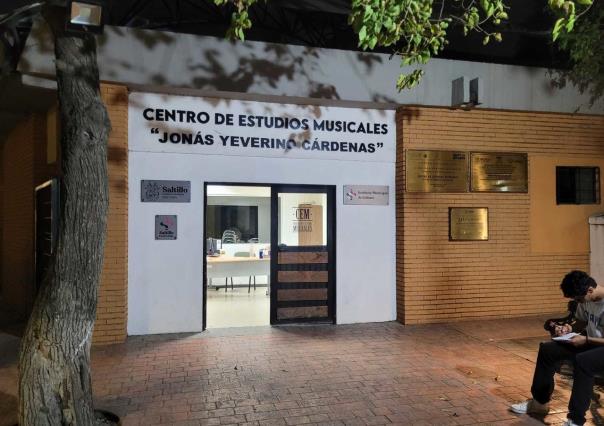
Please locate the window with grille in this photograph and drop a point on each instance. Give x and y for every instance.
(577, 185)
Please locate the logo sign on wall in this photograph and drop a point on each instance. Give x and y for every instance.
(190, 125)
(366, 195)
(165, 191)
(165, 227)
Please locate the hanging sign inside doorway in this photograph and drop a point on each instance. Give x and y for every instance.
(369, 195)
(165, 191)
(165, 227)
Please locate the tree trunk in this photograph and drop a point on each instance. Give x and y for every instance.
(54, 382)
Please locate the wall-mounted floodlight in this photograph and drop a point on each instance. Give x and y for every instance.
(85, 16)
(466, 94)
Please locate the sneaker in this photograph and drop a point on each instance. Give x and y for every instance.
(569, 422)
(530, 406)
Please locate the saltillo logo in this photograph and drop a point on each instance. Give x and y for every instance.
(172, 191)
(176, 189)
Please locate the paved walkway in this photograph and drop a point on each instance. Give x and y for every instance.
(461, 373)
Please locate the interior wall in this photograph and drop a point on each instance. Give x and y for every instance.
(438, 279)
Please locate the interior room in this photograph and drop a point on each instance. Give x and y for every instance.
(237, 232)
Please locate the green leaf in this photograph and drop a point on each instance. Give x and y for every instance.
(363, 33)
(557, 27)
(486, 40)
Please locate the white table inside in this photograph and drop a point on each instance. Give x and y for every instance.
(231, 266)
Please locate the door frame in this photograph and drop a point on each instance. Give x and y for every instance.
(330, 191)
(204, 276)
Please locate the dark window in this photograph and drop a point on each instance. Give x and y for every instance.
(577, 185)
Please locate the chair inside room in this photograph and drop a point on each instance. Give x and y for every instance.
(229, 236)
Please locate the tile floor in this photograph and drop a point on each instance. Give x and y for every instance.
(237, 307)
(362, 374)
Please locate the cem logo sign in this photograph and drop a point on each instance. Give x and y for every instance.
(165, 191)
(303, 218)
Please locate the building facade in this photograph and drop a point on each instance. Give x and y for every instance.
(391, 257)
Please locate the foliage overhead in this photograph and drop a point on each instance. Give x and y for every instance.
(416, 30)
(585, 46)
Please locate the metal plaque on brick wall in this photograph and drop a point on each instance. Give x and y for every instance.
(372, 195)
(165, 227)
(165, 191)
(436, 171)
(468, 224)
(498, 172)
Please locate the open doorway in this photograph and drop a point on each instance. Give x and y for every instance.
(237, 234)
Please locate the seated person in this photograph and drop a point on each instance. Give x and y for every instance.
(585, 351)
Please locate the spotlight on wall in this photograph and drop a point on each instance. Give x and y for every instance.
(85, 16)
(466, 94)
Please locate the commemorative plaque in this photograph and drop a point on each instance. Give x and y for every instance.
(436, 171)
(468, 224)
(498, 172)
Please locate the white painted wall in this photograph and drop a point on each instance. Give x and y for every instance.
(217, 67)
(165, 277)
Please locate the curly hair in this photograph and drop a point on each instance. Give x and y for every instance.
(576, 284)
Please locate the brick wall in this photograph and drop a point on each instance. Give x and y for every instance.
(438, 280)
(112, 311)
(25, 166)
(18, 154)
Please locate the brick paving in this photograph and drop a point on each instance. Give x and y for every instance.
(362, 374)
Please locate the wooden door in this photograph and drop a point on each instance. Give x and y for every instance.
(303, 254)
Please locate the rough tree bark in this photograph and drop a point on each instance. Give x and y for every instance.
(54, 382)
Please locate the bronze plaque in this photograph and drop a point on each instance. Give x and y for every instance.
(498, 172)
(468, 223)
(436, 171)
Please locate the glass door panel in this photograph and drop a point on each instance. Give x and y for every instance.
(303, 273)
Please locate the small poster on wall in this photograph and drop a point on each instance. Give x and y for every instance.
(165, 227)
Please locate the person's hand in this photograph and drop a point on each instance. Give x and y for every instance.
(560, 330)
(579, 340)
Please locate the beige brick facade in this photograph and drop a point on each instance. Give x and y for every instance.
(515, 272)
(112, 310)
(18, 177)
(27, 161)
